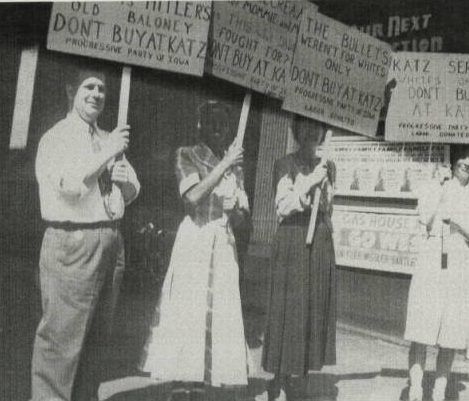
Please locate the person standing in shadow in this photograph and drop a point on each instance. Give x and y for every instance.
(300, 330)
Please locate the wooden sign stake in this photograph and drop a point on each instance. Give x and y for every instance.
(243, 119)
(317, 196)
(115, 197)
(124, 95)
(24, 98)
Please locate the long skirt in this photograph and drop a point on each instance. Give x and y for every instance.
(301, 322)
(199, 334)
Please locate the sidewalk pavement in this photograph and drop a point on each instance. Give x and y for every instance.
(367, 369)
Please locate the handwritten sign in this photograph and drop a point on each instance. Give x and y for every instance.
(387, 242)
(429, 98)
(338, 75)
(381, 169)
(165, 35)
(252, 42)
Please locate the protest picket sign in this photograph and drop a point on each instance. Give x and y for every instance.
(376, 241)
(252, 43)
(338, 75)
(385, 170)
(429, 98)
(164, 35)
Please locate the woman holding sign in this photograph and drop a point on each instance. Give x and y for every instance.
(300, 332)
(199, 336)
(438, 305)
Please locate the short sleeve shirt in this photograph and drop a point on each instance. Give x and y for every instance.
(192, 165)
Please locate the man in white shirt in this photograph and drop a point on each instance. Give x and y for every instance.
(84, 182)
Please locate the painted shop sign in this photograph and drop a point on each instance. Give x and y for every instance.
(165, 35)
(421, 26)
(338, 75)
(411, 32)
(388, 242)
(251, 43)
(380, 169)
(429, 98)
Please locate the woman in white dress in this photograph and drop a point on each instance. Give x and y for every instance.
(438, 306)
(199, 333)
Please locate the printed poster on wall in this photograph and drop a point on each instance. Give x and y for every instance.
(386, 242)
(429, 98)
(338, 75)
(252, 43)
(380, 169)
(164, 35)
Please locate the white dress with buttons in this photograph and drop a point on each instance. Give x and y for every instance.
(438, 304)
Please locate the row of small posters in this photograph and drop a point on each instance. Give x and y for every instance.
(319, 67)
(385, 169)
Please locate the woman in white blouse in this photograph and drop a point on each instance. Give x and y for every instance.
(438, 305)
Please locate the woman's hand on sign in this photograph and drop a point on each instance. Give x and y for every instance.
(118, 140)
(233, 156)
(120, 172)
(318, 175)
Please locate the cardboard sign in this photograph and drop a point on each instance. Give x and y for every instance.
(381, 169)
(165, 35)
(252, 42)
(388, 242)
(338, 75)
(429, 98)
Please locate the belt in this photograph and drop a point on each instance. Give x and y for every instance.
(303, 218)
(72, 226)
(297, 219)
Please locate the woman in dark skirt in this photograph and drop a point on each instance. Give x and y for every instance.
(300, 333)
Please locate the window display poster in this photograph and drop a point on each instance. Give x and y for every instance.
(380, 169)
(386, 242)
